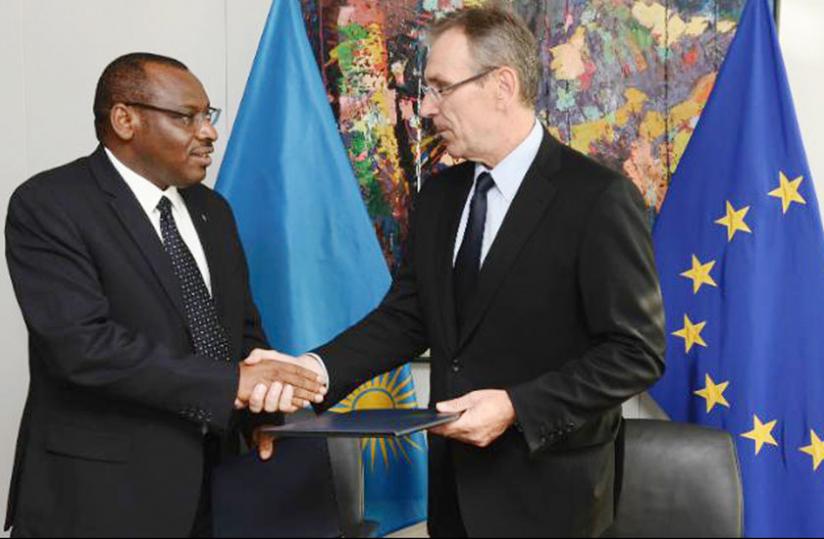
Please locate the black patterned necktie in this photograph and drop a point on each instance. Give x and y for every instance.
(208, 335)
(468, 262)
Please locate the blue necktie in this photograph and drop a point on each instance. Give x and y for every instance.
(468, 263)
(208, 336)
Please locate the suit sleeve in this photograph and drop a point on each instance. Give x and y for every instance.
(389, 336)
(67, 315)
(624, 312)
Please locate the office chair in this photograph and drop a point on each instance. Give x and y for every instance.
(679, 480)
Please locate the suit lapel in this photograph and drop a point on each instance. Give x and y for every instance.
(524, 215)
(207, 233)
(138, 226)
(450, 218)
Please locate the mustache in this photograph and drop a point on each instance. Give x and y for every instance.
(204, 150)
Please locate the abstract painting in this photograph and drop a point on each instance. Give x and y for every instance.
(624, 81)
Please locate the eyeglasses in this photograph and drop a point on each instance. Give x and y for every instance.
(188, 119)
(439, 94)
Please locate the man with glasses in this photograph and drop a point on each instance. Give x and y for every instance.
(134, 288)
(529, 273)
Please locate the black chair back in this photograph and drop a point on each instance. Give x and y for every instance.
(679, 480)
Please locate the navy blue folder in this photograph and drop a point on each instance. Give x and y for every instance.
(364, 423)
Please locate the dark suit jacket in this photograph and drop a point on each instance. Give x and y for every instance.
(112, 436)
(568, 319)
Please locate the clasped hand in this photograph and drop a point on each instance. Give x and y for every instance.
(275, 382)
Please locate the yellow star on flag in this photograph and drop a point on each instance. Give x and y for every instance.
(788, 192)
(700, 274)
(691, 333)
(713, 393)
(734, 221)
(815, 449)
(761, 433)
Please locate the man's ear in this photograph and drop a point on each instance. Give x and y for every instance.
(124, 121)
(508, 85)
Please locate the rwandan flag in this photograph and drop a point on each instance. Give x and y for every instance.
(315, 263)
(740, 252)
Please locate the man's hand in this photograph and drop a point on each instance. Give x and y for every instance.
(282, 397)
(485, 417)
(277, 384)
(265, 444)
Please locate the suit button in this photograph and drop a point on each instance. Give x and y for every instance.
(456, 367)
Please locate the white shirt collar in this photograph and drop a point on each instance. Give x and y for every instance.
(147, 193)
(510, 173)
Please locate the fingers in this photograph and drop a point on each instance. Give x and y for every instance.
(257, 400)
(306, 396)
(275, 371)
(440, 430)
(273, 398)
(259, 354)
(280, 398)
(255, 357)
(276, 398)
(298, 377)
(460, 404)
(265, 444)
(454, 429)
(286, 399)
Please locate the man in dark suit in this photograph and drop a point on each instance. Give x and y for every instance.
(529, 273)
(133, 285)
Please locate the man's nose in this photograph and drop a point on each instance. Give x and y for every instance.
(429, 106)
(207, 131)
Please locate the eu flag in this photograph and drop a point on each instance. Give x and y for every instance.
(315, 262)
(740, 253)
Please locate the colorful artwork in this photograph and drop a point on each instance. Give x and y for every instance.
(624, 82)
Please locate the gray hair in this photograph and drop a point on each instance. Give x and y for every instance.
(498, 38)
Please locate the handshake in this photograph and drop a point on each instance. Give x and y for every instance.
(273, 382)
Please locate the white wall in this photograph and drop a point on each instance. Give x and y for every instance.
(52, 52)
(802, 41)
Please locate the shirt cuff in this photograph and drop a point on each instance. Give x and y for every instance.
(322, 366)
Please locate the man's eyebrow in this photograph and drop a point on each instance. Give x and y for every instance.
(436, 80)
(194, 108)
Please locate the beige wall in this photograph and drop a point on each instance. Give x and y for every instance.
(51, 53)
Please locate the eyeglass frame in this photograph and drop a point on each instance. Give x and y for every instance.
(440, 95)
(211, 114)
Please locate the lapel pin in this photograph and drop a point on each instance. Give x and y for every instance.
(203, 216)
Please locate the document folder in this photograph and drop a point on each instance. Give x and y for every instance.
(364, 423)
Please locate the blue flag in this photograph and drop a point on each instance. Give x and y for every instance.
(740, 252)
(315, 263)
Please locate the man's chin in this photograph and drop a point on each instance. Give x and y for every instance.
(192, 178)
(455, 151)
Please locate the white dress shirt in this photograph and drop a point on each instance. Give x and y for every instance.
(508, 177)
(149, 195)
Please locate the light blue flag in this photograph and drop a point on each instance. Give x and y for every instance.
(315, 263)
(740, 251)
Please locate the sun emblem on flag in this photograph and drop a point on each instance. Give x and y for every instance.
(393, 390)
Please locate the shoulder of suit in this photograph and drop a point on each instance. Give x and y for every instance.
(445, 179)
(62, 181)
(590, 178)
(209, 197)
